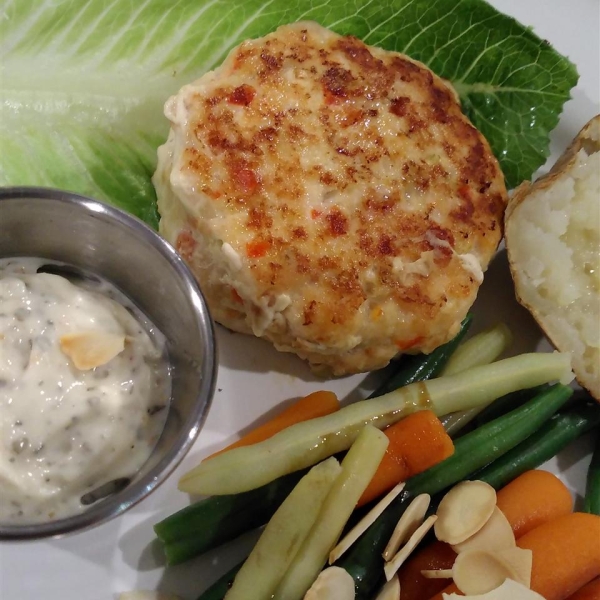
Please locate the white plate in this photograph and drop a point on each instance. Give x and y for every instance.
(254, 378)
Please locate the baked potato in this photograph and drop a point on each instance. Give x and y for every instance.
(552, 237)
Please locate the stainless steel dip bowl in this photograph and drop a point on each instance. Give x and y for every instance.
(105, 241)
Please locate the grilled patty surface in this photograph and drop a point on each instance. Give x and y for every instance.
(330, 197)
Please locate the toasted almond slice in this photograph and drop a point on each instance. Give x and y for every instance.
(390, 590)
(90, 349)
(464, 510)
(392, 567)
(509, 590)
(480, 571)
(333, 583)
(364, 523)
(437, 573)
(521, 563)
(413, 516)
(496, 534)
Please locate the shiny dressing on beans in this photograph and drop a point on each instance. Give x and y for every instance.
(84, 390)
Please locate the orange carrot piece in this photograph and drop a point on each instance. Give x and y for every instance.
(566, 554)
(417, 442)
(533, 498)
(591, 591)
(437, 555)
(317, 404)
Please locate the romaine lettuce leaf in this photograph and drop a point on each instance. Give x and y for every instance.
(83, 82)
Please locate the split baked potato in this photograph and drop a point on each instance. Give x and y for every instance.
(553, 241)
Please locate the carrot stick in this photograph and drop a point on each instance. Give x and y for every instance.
(566, 554)
(317, 404)
(417, 442)
(591, 591)
(533, 498)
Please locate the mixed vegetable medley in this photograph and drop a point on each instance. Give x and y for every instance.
(373, 498)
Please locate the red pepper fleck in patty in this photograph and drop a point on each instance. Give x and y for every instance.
(242, 95)
(257, 248)
(247, 180)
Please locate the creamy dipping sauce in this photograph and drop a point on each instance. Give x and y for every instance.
(84, 390)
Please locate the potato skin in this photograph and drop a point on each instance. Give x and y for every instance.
(584, 139)
(588, 139)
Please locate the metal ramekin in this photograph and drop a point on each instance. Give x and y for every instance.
(101, 239)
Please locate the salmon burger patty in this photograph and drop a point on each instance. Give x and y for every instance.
(330, 197)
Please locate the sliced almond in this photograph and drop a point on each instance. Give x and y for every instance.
(509, 590)
(521, 563)
(411, 519)
(437, 573)
(393, 565)
(90, 349)
(496, 534)
(464, 510)
(364, 523)
(480, 571)
(390, 590)
(333, 583)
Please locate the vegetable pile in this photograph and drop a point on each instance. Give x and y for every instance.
(540, 554)
(305, 444)
(311, 513)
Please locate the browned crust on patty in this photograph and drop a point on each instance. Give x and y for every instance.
(399, 171)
